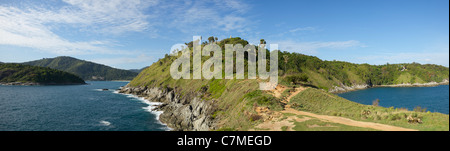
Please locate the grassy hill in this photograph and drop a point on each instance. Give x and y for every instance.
(237, 99)
(328, 74)
(85, 69)
(32, 74)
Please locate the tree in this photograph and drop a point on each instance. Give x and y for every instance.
(211, 39)
(286, 58)
(262, 41)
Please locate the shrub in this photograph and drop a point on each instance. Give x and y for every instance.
(420, 109)
(297, 79)
(255, 117)
(376, 102)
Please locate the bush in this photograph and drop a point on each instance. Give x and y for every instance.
(420, 109)
(265, 100)
(297, 79)
(255, 117)
(376, 102)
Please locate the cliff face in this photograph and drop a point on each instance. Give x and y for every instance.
(187, 113)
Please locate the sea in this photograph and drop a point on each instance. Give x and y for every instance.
(76, 108)
(90, 108)
(434, 99)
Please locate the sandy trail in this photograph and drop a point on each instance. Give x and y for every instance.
(350, 122)
(289, 122)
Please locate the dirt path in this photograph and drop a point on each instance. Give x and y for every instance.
(289, 122)
(278, 91)
(350, 122)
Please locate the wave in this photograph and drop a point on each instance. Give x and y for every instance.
(102, 90)
(150, 108)
(105, 123)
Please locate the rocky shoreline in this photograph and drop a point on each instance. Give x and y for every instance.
(344, 88)
(180, 113)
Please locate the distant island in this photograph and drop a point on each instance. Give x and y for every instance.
(19, 74)
(84, 69)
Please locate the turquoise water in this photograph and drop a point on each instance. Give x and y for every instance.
(74, 108)
(435, 99)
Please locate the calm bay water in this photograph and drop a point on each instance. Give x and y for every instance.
(74, 108)
(435, 99)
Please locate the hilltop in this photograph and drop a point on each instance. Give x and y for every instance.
(238, 104)
(84, 69)
(18, 74)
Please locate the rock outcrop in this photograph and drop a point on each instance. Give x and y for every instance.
(187, 113)
(344, 88)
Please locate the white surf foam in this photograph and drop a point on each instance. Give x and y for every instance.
(105, 123)
(150, 108)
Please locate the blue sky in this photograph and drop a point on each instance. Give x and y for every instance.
(131, 34)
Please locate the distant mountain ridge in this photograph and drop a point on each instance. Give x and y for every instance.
(85, 69)
(19, 74)
(138, 70)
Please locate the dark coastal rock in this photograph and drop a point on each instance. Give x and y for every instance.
(187, 113)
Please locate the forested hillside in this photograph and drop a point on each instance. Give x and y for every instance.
(327, 74)
(39, 75)
(85, 69)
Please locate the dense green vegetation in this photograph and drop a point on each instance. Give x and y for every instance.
(237, 99)
(85, 69)
(327, 74)
(295, 68)
(41, 75)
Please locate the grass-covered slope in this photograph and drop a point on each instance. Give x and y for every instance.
(236, 99)
(32, 74)
(233, 111)
(85, 69)
(320, 102)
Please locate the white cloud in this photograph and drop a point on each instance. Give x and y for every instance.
(197, 16)
(441, 58)
(312, 47)
(33, 27)
(125, 60)
(302, 29)
(36, 26)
